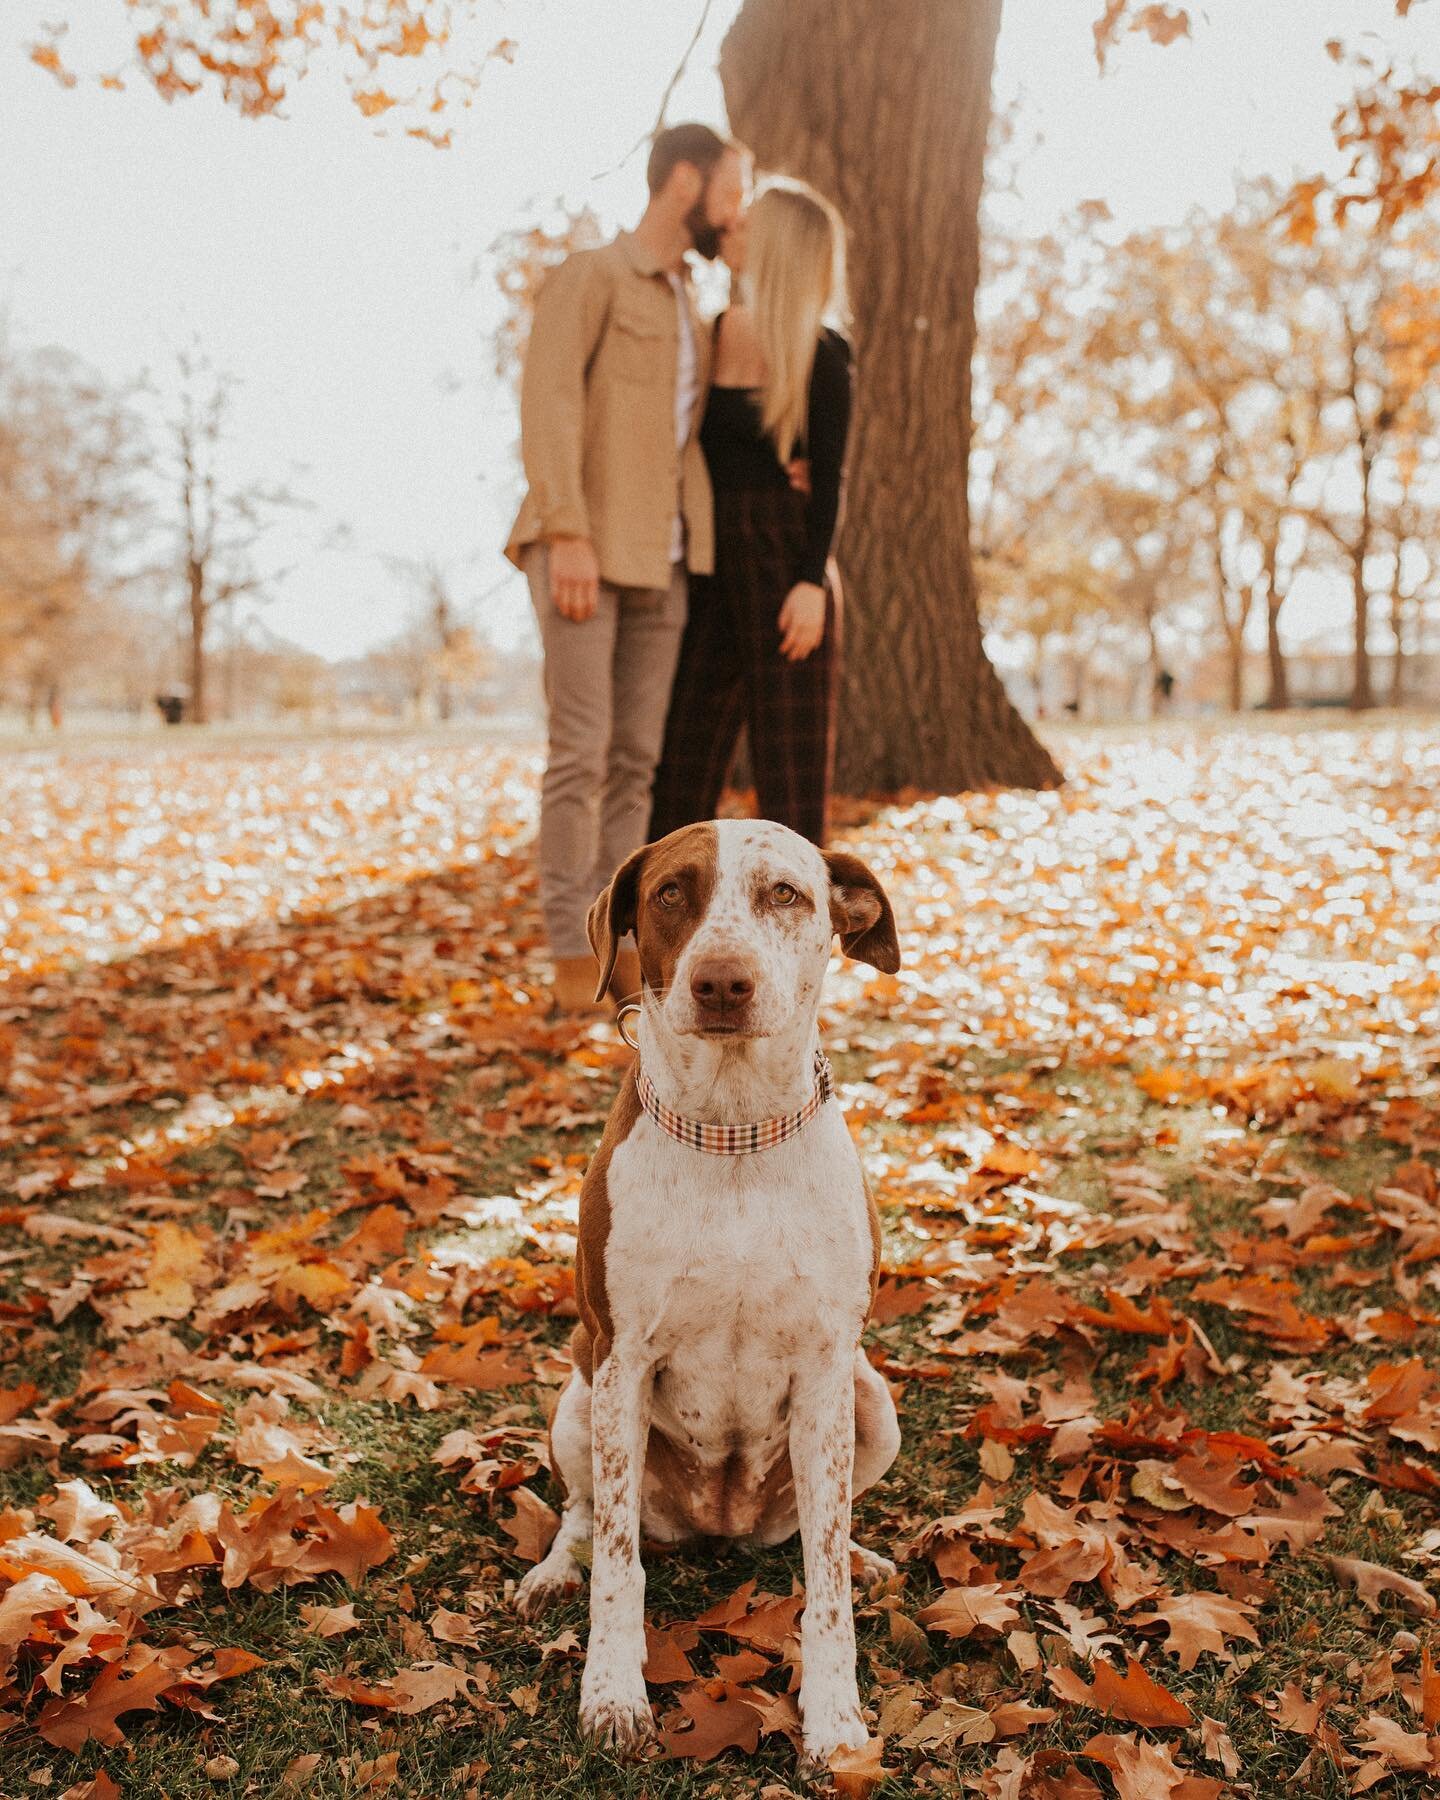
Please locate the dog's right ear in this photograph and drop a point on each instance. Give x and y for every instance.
(613, 914)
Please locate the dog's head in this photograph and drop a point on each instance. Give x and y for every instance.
(734, 920)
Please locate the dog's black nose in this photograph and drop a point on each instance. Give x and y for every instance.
(722, 983)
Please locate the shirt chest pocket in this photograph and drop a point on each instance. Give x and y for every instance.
(640, 348)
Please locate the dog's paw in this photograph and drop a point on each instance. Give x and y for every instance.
(544, 1585)
(614, 1707)
(824, 1737)
(868, 1566)
(624, 1724)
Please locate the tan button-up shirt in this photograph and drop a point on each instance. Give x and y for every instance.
(597, 418)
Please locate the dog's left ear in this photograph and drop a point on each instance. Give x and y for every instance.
(860, 912)
(613, 914)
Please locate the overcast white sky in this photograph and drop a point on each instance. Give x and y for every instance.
(345, 278)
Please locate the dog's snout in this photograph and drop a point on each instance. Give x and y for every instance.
(722, 983)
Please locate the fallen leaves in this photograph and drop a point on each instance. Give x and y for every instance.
(134, 1685)
(408, 1691)
(715, 1716)
(962, 1610)
(1108, 1108)
(1371, 1580)
(1132, 1694)
(532, 1525)
(1200, 1623)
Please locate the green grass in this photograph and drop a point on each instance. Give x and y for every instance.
(450, 1552)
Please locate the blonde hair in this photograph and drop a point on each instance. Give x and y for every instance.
(794, 283)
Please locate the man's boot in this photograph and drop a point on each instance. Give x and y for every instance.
(625, 981)
(575, 981)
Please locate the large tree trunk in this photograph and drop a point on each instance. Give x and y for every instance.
(886, 110)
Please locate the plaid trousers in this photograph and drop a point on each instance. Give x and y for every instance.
(731, 673)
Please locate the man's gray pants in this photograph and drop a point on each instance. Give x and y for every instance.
(607, 691)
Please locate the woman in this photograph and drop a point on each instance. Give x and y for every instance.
(762, 646)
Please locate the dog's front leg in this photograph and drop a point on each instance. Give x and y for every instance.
(822, 1454)
(613, 1703)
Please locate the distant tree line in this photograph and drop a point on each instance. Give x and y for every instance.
(134, 564)
(1172, 426)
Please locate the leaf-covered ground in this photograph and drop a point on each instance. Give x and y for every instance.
(289, 1160)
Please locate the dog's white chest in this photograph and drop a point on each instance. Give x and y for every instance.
(731, 1269)
(754, 1254)
(732, 1278)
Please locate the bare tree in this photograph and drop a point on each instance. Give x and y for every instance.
(219, 523)
(440, 649)
(1378, 393)
(71, 515)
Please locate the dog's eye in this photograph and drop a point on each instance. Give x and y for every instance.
(670, 895)
(783, 894)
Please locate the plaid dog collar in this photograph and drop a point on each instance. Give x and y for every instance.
(736, 1140)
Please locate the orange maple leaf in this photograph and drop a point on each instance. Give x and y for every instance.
(1133, 1695)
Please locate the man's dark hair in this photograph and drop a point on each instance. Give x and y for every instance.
(695, 144)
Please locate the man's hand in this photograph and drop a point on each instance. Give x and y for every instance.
(799, 472)
(802, 621)
(574, 578)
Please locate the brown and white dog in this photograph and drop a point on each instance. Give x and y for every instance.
(719, 1387)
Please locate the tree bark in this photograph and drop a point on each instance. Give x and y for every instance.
(886, 111)
(1232, 627)
(199, 700)
(1362, 695)
(1278, 699)
(1398, 670)
(1235, 695)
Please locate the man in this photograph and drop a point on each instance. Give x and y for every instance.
(618, 509)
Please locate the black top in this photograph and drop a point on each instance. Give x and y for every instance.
(741, 453)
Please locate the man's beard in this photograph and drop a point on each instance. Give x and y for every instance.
(704, 236)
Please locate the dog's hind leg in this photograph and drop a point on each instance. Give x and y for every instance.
(561, 1572)
(877, 1443)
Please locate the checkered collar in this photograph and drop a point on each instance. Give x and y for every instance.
(736, 1140)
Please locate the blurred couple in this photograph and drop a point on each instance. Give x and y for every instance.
(684, 491)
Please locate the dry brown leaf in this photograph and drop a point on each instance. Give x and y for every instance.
(857, 1773)
(1134, 1695)
(471, 1361)
(1143, 1771)
(372, 1775)
(722, 1718)
(134, 1685)
(1396, 1747)
(1198, 1623)
(101, 1788)
(448, 1627)
(1370, 1580)
(665, 1653)
(532, 1525)
(962, 1610)
(329, 1621)
(1217, 1746)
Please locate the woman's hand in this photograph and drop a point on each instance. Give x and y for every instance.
(802, 621)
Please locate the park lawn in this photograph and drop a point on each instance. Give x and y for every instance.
(1151, 1118)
